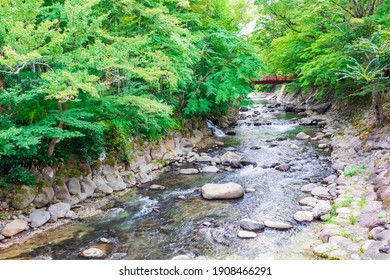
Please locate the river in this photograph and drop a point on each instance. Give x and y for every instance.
(161, 224)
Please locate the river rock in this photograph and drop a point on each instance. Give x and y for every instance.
(283, 167)
(88, 186)
(308, 187)
(48, 175)
(324, 249)
(101, 186)
(210, 169)
(74, 186)
(81, 197)
(1, 237)
(189, 171)
(384, 235)
(303, 216)
(59, 209)
(302, 136)
(294, 146)
(232, 159)
(222, 191)
(45, 194)
(24, 197)
(385, 249)
(309, 201)
(115, 181)
(321, 108)
(39, 217)
(182, 258)
(246, 234)
(61, 192)
(330, 179)
(14, 227)
(322, 208)
(322, 146)
(204, 159)
(372, 252)
(251, 225)
(321, 192)
(92, 253)
(277, 225)
(71, 215)
(340, 240)
(156, 187)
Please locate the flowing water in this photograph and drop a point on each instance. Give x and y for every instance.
(151, 224)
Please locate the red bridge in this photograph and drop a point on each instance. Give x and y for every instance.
(274, 80)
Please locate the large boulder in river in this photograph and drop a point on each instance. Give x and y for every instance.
(45, 194)
(222, 191)
(23, 198)
(59, 210)
(231, 159)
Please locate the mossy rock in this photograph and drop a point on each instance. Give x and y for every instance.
(24, 197)
(110, 160)
(96, 165)
(45, 194)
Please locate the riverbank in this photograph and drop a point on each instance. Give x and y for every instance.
(78, 191)
(358, 225)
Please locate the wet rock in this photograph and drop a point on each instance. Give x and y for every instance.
(322, 146)
(24, 197)
(231, 133)
(308, 187)
(222, 191)
(156, 187)
(115, 181)
(61, 192)
(283, 167)
(59, 209)
(321, 192)
(277, 225)
(92, 253)
(294, 146)
(74, 186)
(251, 225)
(309, 201)
(88, 186)
(219, 143)
(14, 228)
(231, 149)
(231, 159)
(204, 159)
(210, 169)
(101, 186)
(302, 136)
(322, 208)
(45, 194)
(246, 162)
(189, 171)
(303, 216)
(246, 234)
(39, 217)
(255, 148)
(250, 190)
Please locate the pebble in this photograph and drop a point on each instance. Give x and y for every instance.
(309, 201)
(246, 234)
(250, 190)
(92, 253)
(206, 224)
(156, 187)
(277, 225)
(182, 197)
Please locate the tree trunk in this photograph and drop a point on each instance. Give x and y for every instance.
(377, 101)
(2, 86)
(53, 141)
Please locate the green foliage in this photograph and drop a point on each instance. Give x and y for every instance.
(19, 175)
(352, 170)
(87, 77)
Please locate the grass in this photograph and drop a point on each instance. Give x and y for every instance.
(352, 170)
(362, 202)
(3, 217)
(346, 202)
(353, 219)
